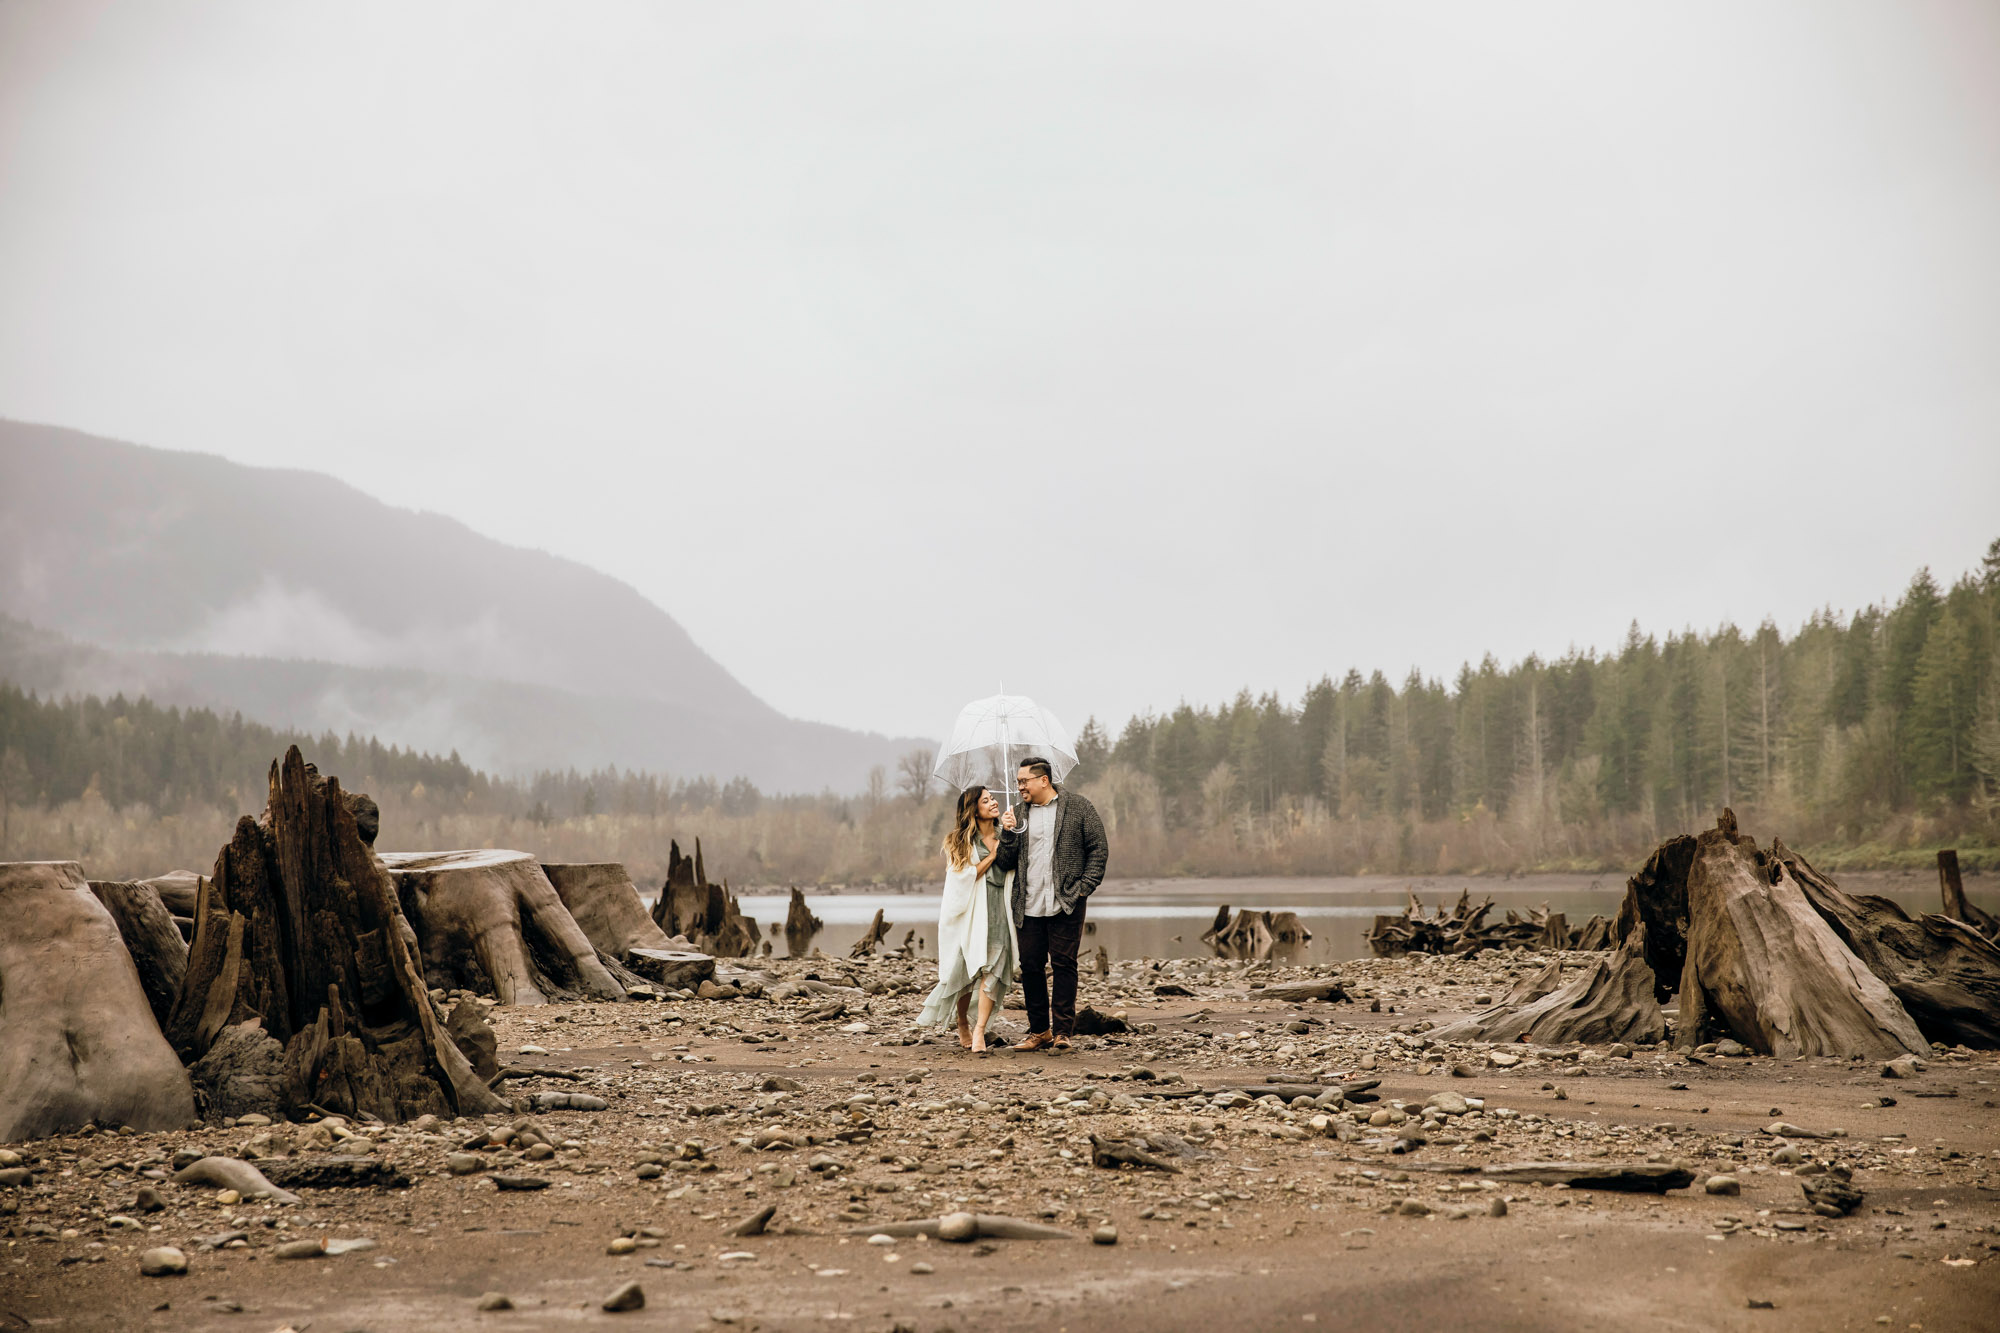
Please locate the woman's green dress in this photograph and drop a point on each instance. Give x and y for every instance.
(958, 975)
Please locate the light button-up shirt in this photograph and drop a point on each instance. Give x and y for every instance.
(1041, 869)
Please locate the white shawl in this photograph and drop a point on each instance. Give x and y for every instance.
(962, 923)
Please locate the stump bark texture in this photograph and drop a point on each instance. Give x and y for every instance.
(704, 914)
(489, 921)
(151, 937)
(606, 906)
(78, 1041)
(299, 930)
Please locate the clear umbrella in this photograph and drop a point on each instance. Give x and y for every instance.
(993, 735)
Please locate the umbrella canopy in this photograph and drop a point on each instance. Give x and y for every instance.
(993, 735)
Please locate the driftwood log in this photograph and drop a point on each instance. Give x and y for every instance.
(605, 904)
(1630, 1177)
(78, 1041)
(151, 937)
(705, 914)
(878, 931)
(490, 921)
(298, 931)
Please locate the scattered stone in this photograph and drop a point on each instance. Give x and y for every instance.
(957, 1227)
(1904, 1066)
(622, 1245)
(148, 1200)
(755, 1224)
(494, 1300)
(162, 1261)
(1831, 1196)
(1724, 1185)
(464, 1163)
(631, 1296)
(1730, 1046)
(520, 1183)
(920, 1268)
(1498, 1208)
(1105, 1235)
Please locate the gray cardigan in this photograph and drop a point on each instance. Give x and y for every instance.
(1078, 862)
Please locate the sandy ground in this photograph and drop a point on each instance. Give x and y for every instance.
(1279, 1223)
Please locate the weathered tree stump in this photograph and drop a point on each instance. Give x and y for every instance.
(298, 930)
(178, 889)
(1956, 905)
(151, 937)
(490, 921)
(1592, 935)
(800, 926)
(78, 1041)
(605, 904)
(1762, 964)
(706, 915)
(1945, 972)
(1611, 1000)
(675, 969)
(1460, 929)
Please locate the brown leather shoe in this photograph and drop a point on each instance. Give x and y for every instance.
(1035, 1041)
(1060, 1044)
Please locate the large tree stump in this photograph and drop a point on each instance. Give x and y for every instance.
(1460, 929)
(1763, 965)
(1943, 970)
(878, 931)
(298, 930)
(490, 921)
(705, 914)
(606, 906)
(151, 937)
(78, 1042)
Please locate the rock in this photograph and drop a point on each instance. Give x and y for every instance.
(148, 1200)
(1788, 1155)
(1498, 1059)
(300, 1249)
(881, 1238)
(1413, 1208)
(779, 1083)
(1831, 1196)
(520, 1183)
(755, 1224)
(649, 1171)
(1730, 1046)
(631, 1296)
(622, 1245)
(1105, 1235)
(1498, 1208)
(710, 990)
(920, 1268)
(1618, 1050)
(16, 1177)
(162, 1261)
(1448, 1102)
(1725, 1185)
(1904, 1066)
(231, 1175)
(494, 1300)
(957, 1227)
(464, 1163)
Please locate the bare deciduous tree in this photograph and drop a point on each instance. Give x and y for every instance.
(913, 775)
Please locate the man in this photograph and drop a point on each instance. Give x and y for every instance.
(1057, 855)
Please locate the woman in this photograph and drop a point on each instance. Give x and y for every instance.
(975, 930)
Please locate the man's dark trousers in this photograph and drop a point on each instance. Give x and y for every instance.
(1052, 942)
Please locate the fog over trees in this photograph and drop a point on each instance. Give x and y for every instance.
(1869, 738)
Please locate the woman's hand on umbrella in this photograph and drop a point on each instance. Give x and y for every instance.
(1007, 820)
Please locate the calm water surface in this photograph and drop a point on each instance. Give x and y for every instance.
(1165, 918)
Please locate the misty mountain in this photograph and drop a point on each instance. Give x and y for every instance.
(303, 602)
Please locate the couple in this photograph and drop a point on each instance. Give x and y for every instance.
(1015, 887)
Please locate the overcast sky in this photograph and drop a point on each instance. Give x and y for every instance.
(1127, 352)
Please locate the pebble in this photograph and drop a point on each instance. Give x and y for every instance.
(957, 1227)
(148, 1200)
(1730, 1046)
(1413, 1208)
(464, 1163)
(650, 1171)
(163, 1261)
(1105, 1235)
(224, 1198)
(1726, 1185)
(920, 1268)
(622, 1245)
(1498, 1208)
(880, 1239)
(1904, 1066)
(631, 1296)
(495, 1300)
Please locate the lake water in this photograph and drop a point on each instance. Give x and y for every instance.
(1165, 918)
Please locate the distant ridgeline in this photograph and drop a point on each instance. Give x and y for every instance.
(1838, 729)
(134, 752)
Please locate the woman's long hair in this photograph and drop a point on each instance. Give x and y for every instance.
(958, 842)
